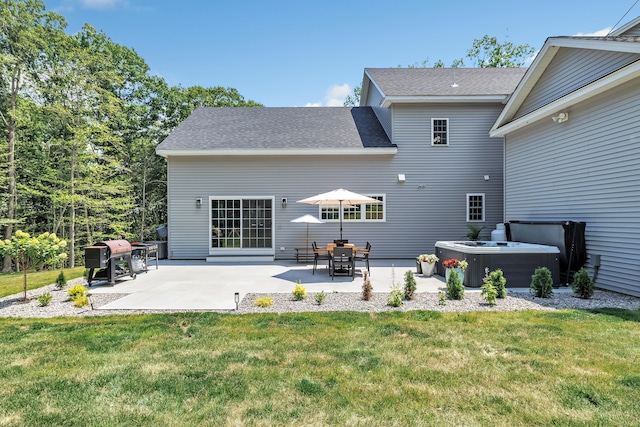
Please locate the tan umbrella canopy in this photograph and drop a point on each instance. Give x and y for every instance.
(308, 219)
(339, 197)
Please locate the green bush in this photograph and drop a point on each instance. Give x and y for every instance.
(582, 284)
(44, 299)
(80, 300)
(395, 298)
(263, 302)
(299, 293)
(61, 281)
(409, 285)
(455, 288)
(541, 283)
(442, 298)
(498, 281)
(77, 290)
(489, 291)
(320, 296)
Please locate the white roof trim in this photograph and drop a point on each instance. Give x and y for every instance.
(406, 99)
(378, 151)
(629, 25)
(599, 86)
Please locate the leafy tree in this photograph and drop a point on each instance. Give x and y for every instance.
(353, 100)
(488, 53)
(32, 252)
(25, 29)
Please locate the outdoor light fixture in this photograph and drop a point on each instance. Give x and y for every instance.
(401, 177)
(560, 118)
(236, 297)
(284, 202)
(486, 177)
(198, 202)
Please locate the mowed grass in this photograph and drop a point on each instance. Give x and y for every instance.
(13, 283)
(412, 369)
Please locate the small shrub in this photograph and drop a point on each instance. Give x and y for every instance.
(367, 287)
(455, 288)
(44, 299)
(541, 283)
(395, 298)
(498, 281)
(489, 291)
(442, 298)
(77, 290)
(80, 300)
(409, 285)
(61, 281)
(582, 284)
(320, 296)
(263, 302)
(299, 293)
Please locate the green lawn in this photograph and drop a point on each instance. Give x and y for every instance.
(410, 369)
(13, 283)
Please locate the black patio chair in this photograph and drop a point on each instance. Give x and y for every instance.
(342, 262)
(364, 256)
(320, 255)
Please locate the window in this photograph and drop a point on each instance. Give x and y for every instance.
(362, 212)
(439, 131)
(475, 207)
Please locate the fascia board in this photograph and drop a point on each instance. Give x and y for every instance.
(629, 25)
(274, 152)
(442, 99)
(599, 86)
(373, 82)
(537, 68)
(596, 44)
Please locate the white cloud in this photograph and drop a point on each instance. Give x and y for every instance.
(334, 97)
(599, 33)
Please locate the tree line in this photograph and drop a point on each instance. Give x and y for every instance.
(80, 118)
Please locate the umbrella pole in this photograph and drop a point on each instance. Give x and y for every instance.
(306, 248)
(340, 213)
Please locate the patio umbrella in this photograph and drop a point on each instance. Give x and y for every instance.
(308, 219)
(339, 197)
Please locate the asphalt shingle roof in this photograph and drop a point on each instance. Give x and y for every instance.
(438, 81)
(278, 128)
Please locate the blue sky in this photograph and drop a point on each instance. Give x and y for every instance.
(286, 53)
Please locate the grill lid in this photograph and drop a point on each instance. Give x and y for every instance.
(116, 246)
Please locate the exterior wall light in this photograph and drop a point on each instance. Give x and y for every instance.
(560, 118)
(401, 177)
(284, 202)
(198, 202)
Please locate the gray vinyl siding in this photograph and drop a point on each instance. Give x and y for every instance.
(374, 98)
(570, 70)
(429, 206)
(586, 169)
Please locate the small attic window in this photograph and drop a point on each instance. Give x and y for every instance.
(439, 131)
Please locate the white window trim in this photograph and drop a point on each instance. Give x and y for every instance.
(433, 144)
(362, 210)
(484, 201)
(243, 251)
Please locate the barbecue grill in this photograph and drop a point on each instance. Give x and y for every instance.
(111, 259)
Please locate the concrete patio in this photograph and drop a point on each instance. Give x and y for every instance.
(198, 285)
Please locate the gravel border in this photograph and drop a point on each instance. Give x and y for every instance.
(61, 305)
